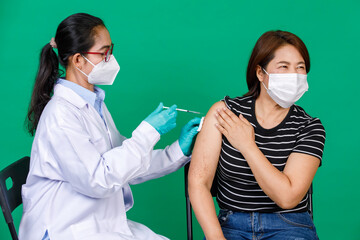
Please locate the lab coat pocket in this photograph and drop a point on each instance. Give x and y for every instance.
(101, 145)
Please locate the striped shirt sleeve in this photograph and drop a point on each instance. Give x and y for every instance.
(311, 139)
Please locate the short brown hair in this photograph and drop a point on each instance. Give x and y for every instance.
(263, 53)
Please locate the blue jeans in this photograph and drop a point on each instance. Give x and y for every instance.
(274, 226)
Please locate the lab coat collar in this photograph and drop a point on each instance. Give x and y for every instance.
(86, 94)
(69, 95)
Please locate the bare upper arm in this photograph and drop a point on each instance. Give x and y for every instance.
(206, 151)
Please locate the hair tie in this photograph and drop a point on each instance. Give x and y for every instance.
(53, 43)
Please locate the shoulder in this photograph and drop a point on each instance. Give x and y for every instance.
(311, 137)
(58, 104)
(238, 101)
(210, 118)
(240, 105)
(65, 100)
(300, 115)
(210, 115)
(219, 104)
(310, 127)
(59, 111)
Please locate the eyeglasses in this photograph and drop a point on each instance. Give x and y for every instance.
(107, 54)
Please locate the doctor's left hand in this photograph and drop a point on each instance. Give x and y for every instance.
(187, 136)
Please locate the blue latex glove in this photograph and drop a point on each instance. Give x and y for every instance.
(187, 136)
(163, 120)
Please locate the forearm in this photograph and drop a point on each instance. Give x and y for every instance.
(163, 162)
(204, 208)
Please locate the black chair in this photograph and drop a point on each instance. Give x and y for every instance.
(11, 198)
(310, 201)
(213, 193)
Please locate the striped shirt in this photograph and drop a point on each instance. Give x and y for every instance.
(237, 189)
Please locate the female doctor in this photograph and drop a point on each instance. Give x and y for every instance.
(81, 167)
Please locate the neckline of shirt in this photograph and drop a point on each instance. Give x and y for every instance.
(270, 130)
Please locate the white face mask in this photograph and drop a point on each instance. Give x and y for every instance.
(103, 73)
(286, 88)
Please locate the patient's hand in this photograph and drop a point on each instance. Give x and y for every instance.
(238, 131)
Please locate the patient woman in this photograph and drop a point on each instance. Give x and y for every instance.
(263, 149)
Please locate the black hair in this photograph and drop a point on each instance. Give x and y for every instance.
(74, 35)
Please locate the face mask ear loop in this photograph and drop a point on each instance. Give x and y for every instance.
(263, 81)
(264, 86)
(265, 71)
(88, 60)
(82, 72)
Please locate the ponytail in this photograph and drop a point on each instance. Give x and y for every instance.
(75, 34)
(44, 84)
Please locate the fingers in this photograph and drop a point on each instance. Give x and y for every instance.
(172, 125)
(169, 117)
(231, 114)
(228, 115)
(227, 120)
(172, 108)
(230, 118)
(221, 129)
(242, 118)
(193, 131)
(223, 119)
(194, 122)
(159, 108)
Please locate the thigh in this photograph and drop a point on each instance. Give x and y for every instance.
(233, 234)
(293, 235)
(235, 225)
(288, 226)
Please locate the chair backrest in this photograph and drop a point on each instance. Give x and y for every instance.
(310, 201)
(10, 198)
(213, 193)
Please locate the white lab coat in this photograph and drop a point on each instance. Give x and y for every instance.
(80, 171)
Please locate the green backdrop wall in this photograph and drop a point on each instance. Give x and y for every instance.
(193, 53)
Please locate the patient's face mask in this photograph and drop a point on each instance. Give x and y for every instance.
(286, 88)
(103, 73)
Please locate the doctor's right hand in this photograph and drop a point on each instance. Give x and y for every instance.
(163, 120)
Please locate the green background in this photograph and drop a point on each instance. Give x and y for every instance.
(193, 53)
